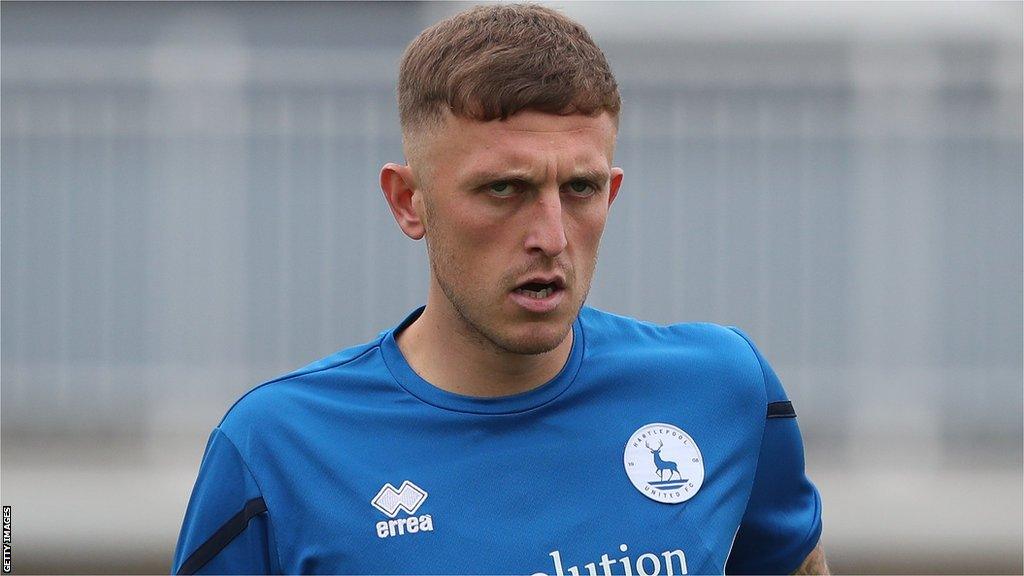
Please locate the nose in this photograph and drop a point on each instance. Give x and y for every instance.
(546, 232)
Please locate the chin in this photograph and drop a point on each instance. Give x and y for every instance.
(532, 339)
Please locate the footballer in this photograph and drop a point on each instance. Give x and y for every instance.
(505, 427)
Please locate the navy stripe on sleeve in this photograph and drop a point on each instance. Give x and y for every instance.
(223, 536)
(781, 410)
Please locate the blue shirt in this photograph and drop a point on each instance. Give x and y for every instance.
(656, 449)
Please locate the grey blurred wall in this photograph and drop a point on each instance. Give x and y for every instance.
(190, 206)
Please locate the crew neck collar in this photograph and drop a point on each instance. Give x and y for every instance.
(427, 392)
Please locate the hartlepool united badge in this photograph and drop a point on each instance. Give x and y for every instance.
(664, 463)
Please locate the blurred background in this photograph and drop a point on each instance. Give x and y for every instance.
(190, 207)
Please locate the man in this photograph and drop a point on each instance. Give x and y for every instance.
(504, 427)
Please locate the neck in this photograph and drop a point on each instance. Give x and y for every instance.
(444, 350)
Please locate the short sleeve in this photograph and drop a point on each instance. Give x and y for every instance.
(782, 521)
(227, 527)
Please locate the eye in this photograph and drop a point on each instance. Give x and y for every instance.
(582, 188)
(503, 189)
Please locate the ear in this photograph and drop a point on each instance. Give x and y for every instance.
(399, 188)
(613, 184)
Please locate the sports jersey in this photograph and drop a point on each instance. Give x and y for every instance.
(655, 450)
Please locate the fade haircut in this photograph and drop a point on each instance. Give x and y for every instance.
(489, 62)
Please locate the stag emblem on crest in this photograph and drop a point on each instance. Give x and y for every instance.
(661, 464)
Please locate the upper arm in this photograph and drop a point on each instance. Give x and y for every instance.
(227, 527)
(782, 521)
(814, 563)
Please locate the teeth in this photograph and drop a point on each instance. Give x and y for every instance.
(539, 295)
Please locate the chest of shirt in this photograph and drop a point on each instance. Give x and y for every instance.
(553, 496)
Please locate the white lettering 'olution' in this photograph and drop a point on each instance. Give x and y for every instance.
(669, 563)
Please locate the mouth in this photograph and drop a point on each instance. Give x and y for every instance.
(540, 288)
(540, 294)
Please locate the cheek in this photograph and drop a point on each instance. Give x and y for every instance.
(585, 228)
(472, 241)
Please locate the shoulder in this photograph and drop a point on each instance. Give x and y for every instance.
(290, 396)
(723, 352)
(604, 329)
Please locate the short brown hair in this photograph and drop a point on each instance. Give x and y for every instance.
(490, 62)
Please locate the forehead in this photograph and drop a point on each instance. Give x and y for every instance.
(526, 140)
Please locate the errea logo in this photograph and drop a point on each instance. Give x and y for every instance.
(408, 498)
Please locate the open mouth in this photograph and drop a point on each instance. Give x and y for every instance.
(540, 290)
(537, 290)
(539, 294)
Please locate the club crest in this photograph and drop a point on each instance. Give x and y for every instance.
(664, 463)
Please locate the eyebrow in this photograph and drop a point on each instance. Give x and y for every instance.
(479, 178)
